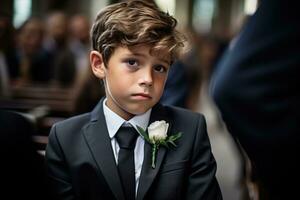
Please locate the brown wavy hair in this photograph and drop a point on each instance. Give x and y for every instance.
(133, 23)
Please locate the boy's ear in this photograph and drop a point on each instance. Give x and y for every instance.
(97, 64)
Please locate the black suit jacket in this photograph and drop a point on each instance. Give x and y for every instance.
(256, 87)
(81, 163)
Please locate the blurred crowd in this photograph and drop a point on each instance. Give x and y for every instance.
(45, 52)
(54, 51)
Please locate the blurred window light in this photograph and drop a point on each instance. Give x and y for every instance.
(167, 5)
(250, 6)
(203, 13)
(22, 11)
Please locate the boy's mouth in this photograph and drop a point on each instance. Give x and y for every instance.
(141, 96)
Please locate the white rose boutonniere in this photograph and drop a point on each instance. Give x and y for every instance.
(156, 135)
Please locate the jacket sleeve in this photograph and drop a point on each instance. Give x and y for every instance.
(202, 183)
(58, 173)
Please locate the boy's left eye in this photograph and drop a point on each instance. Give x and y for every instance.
(160, 68)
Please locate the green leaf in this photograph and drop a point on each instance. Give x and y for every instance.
(172, 138)
(176, 136)
(171, 142)
(165, 143)
(143, 133)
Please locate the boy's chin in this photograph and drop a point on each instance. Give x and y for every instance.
(138, 111)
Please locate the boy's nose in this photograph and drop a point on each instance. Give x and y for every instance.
(146, 78)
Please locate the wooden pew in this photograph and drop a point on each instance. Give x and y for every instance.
(25, 98)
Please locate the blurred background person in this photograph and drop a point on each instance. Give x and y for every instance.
(80, 41)
(256, 89)
(57, 43)
(33, 64)
(176, 88)
(88, 88)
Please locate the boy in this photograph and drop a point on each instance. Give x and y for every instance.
(133, 46)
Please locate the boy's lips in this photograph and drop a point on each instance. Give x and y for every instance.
(142, 96)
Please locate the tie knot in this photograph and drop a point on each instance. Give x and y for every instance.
(126, 137)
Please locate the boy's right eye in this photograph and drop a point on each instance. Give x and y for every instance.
(132, 63)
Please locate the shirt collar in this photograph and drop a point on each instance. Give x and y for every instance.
(114, 121)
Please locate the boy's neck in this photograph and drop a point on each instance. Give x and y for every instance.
(122, 113)
(113, 119)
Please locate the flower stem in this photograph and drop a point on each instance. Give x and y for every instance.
(154, 151)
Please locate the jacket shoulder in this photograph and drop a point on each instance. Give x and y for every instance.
(72, 124)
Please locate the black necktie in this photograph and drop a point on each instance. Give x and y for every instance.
(126, 138)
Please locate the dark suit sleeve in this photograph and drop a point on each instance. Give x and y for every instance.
(176, 88)
(202, 183)
(256, 87)
(58, 172)
(256, 84)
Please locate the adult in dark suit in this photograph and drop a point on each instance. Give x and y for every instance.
(31, 63)
(176, 89)
(22, 169)
(82, 165)
(256, 87)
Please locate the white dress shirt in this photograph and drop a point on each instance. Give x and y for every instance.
(114, 122)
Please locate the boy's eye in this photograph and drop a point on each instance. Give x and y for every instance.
(160, 68)
(132, 62)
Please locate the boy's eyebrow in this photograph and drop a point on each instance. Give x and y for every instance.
(142, 55)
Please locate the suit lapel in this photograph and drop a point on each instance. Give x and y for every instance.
(148, 174)
(98, 139)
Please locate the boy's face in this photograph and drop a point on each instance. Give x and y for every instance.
(134, 79)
